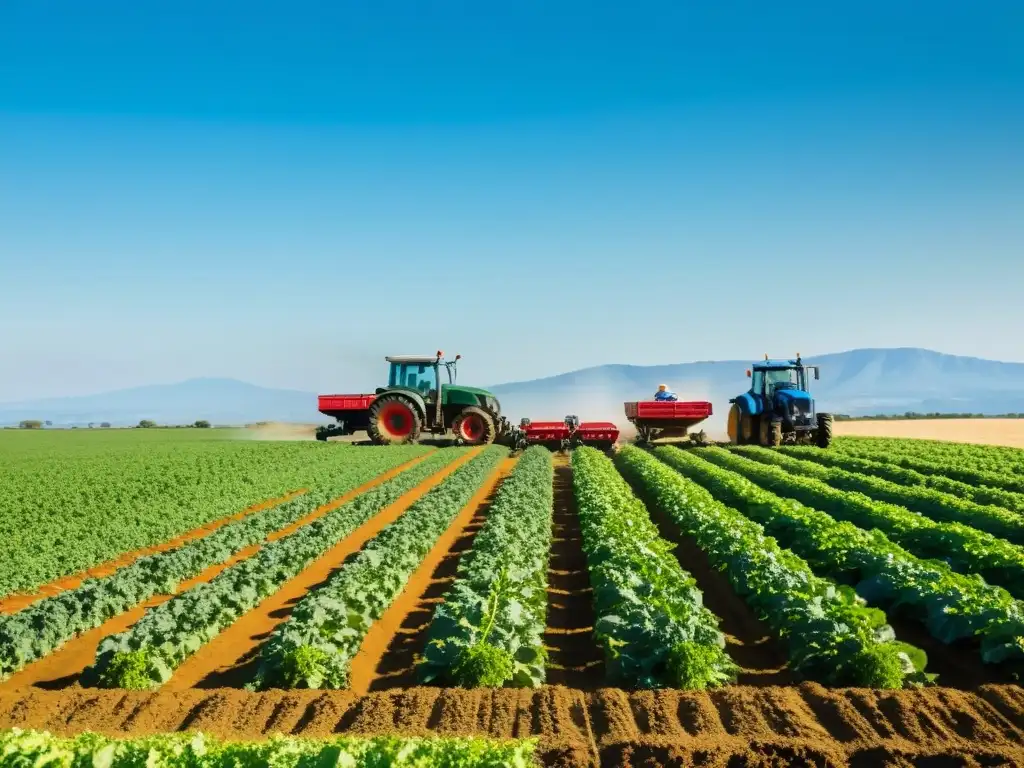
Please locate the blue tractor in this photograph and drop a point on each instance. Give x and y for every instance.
(779, 408)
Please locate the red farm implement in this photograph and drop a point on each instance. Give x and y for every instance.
(656, 419)
(566, 434)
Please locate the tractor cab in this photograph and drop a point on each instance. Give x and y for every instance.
(778, 406)
(420, 374)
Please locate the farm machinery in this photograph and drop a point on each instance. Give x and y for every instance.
(656, 419)
(778, 407)
(421, 396)
(564, 435)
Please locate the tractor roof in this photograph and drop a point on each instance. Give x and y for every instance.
(769, 364)
(414, 359)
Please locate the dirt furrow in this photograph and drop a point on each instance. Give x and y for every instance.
(740, 725)
(16, 602)
(64, 666)
(388, 654)
(574, 659)
(230, 659)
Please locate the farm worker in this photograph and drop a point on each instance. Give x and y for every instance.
(664, 393)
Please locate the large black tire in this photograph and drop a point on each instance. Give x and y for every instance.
(824, 430)
(394, 420)
(474, 426)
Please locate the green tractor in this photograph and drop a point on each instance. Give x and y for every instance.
(421, 397)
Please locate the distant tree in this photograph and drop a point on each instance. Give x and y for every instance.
(105, 424)
(91, 424)
(31, 424)
(202, 424)
(147, 424)
(49, 423)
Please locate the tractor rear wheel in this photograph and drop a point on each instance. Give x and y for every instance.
(394, 420)
(824, 430)
(474, 426)
(733, 425)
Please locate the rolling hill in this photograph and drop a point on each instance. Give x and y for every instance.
(858, 382)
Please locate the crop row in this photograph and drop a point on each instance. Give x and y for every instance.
(999, 459)
(935, 505)
(1007, 478)
(951, 605)
(49, 623)
(315, 646)
(651, 623)
(965, 548)
(830, 634)
(979, 494)
(489, 631)
(82, 502)
(146, 655)
(24, 748)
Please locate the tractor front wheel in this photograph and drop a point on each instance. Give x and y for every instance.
(474, 426)
(394, 420)
(824, 430)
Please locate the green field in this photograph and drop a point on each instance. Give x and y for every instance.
(627, 607)
(72, 499)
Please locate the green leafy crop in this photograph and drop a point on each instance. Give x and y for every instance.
(489, 631)
(46, 625)
(830, 635)
(952, 606)
(967, 549)
(651, 623)
(173, 631)
(332, 621)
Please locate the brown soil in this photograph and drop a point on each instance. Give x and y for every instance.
(389, 652)
(574, 659)
(736, 726)
(749, 641)
(984, 431)
(15, 602)
(64, 666)
(231, 658)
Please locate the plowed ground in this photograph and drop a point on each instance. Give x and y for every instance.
(761, 722)
(738, 726)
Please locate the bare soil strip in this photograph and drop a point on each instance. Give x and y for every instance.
(15, 602)
(749, 641)
(574, 659)
(231, 658)
(64, 666)
(735, 726)
(388, 655)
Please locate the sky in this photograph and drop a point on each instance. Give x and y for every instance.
(285, 192)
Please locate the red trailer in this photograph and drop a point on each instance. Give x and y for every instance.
(654, 419)
(352, 413)
(566, 434)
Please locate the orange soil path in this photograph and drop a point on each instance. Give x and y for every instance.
(387, 656)
(231, 658)
(64, 666)
(15, 602)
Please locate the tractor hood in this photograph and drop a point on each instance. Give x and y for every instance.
(790, 396)
(468, 390)
(794, 403)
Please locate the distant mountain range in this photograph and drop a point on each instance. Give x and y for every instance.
(858, 382)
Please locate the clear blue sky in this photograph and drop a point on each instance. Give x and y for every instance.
(285, 192)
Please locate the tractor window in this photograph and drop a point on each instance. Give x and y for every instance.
(782, 379)
(418, 377)
(756, 380)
